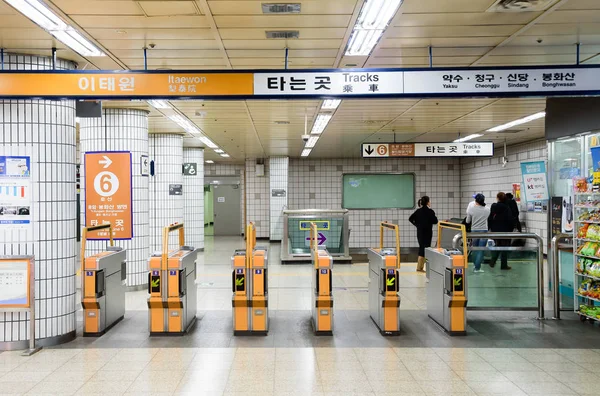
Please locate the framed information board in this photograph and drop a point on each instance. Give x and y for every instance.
(378, 191)
(15, 276)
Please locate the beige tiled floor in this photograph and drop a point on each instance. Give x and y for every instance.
(301, 371)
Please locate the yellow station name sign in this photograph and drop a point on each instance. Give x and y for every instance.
(115, 85)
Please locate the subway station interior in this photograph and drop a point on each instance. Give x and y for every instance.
(300, 197)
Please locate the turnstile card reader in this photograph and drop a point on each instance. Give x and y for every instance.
(384, 284)
(250, 288)
(447, 287)
(172, 287)
(103, 286)
(322, 295)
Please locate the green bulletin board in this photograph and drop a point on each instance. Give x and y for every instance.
(378, 191)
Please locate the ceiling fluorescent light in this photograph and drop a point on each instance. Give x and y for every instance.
(331, 104)
(208, 142)
(467, 138)
(312, 141)
(210, 161)
(159, 104)
(306, 152)
(320, 124)
(45, 18)
(370, 25)
(518, 122)
(225, 155)
(219, 151)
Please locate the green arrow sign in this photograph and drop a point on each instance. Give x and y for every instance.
(239, 282)
(457, 281)
(156, 282)
(391, 281)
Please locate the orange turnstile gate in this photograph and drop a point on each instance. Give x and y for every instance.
(322, 295)
(102, 285)
(384, 283)
(172, 287)
(250, 288)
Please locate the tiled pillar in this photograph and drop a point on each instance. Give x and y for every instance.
(193, 198)
(166, 150)
(278, 180)
(122, 130)
(257, 199)
(45, 131)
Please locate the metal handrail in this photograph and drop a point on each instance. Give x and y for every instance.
(307, 211)
(556, 272)
(515, 235)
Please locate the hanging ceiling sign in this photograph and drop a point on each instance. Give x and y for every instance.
(124, 84)
(403, 150)
(291, 84)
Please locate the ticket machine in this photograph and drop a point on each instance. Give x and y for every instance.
(172, 287)
(447, 287)
(102, 285)
(322, 295)
(250, 288)
(384, 283)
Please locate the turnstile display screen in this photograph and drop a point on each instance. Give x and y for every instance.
(390, 281)
(459, 285)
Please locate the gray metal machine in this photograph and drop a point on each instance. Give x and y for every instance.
(103, 287)
(447, 287)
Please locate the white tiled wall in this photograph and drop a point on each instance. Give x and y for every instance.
(257, 198)
(45, 131)
(122, 130)
(278, 179)
(167, 152)
(193, 197)
(489, 177)
(317, 184)
(236, 171)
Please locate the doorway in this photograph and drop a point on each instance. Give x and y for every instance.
(227, 213)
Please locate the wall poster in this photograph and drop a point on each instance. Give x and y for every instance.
(15, 192)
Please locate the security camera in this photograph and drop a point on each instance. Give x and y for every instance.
(151, 45)
(540, 41)
(305, 138)
(504, 162)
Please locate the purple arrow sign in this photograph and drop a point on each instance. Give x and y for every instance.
(322, 238)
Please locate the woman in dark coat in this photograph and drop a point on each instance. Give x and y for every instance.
(501, 220)
(424, 218)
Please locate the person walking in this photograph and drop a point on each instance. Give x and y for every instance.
(423, 218)
(500, 220)
(477, 217)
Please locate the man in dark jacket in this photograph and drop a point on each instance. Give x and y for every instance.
(514, 209)
(501, 220)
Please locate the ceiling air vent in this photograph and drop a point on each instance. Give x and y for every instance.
(280, 8)
(520, 5)
(283, 34)
(282, 122)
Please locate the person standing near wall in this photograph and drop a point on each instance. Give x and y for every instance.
(514, 209)
(423, 218)
(477, 217)
(501, 220)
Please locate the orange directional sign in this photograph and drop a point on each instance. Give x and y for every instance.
(108, 193)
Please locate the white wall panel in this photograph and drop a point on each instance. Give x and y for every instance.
(45, 131)
(166, 150)
(317, 184)
(487, 176)
(278, 170)
(257, 199)
(193, 199)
